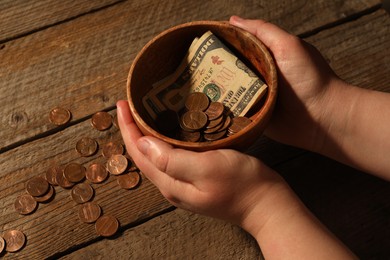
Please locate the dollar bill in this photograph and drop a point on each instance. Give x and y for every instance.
(208, 67)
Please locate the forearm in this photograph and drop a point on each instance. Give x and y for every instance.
(357, 128)
(285, 229)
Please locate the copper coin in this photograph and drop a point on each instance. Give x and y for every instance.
(215, 122)
(112, 148)
(59, 116)
(117, 164)
(96, 173)
(101, 121)
(216, 128)
(2, 245)
(239, 123)
(129, 180)
(14, 240)
(194, 120)
(82, 192)
(74, 172)
(51, 173)
(215, 110)
(25, 204)
(214, 136)
(86, 146)
(106, 226)
(48, 196)
(115, 121)
(37, 186)
(189, 136)
(89, 212)
(226, 124)
(62, 181)
(197, 101)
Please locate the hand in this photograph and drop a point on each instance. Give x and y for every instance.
(304, 80)
(222, 183)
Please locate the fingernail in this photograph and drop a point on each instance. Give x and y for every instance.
(143, 145)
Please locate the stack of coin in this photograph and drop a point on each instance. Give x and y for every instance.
(201, 120)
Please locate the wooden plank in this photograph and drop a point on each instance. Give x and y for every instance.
(350, 203)
(20, 17)
(55, 226)
(176, 235)
(86, 60)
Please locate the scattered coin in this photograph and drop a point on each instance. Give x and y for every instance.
(106, 226)
(129, 180)
(194, 120)
(96, 173)
(74, 172)
(82, 192)
(48, 196)
(89, 212)
(117, 164)
(25, 204)
(51, 174)
(14, 240)
(59, 116)
(197, 101)
(2, 245)
(112, 148)
(86, 146)
(101, 121)
(62, 181)
(37, 186)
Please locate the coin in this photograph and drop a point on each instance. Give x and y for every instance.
(214, 136)
(96, 173)
(74, 172)
(215, 110)
(112, 148)
(25, 204)
(89, 212)
(194, 120)
(101, 121)
(2, 245)
(238, 123)
(197, 101)
(59, 116)
(14, 240)
(82, 192)
(48, 196)
(189, 136)
(51, 173)
(86, 146)
(215, 122)
(117, 164)
(129, 180)
(62, 181)
(37, 186)
(106, 226)
(115, 121)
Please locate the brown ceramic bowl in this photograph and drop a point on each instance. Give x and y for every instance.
(163, 54)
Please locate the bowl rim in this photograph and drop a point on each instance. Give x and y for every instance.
(221, 143)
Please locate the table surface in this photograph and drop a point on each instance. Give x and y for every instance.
(76, 55)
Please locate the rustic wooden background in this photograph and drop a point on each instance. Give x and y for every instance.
(76, 54)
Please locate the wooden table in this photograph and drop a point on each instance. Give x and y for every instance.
(76, 54)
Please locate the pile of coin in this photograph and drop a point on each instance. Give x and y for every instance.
(201, 120)
(78, 179)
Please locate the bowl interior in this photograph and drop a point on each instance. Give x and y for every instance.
(163, 54)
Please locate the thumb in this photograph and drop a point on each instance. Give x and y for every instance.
(178, 163)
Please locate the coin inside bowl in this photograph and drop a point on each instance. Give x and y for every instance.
(160, 57)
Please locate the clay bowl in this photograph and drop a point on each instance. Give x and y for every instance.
(163, 54)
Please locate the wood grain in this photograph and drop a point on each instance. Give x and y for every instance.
(181, 235)
(86, 60)
(20, 17)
